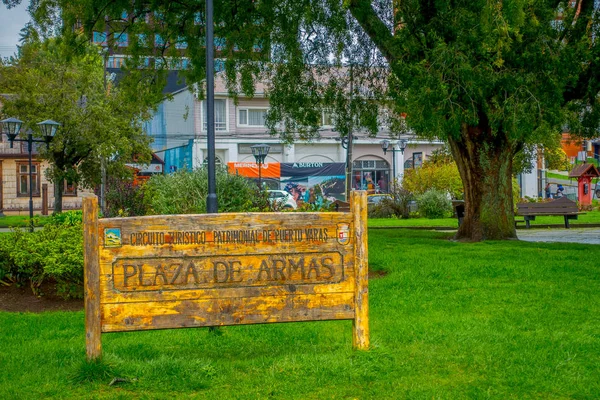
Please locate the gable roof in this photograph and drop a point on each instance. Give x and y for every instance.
(584, 169)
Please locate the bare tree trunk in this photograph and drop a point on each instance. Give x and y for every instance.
(58, 196)
(485, 164)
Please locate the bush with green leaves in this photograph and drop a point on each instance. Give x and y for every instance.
(434, 204)
(397, 205)
(54, 253)
(185, 192)
(438, 172)
(124, 198)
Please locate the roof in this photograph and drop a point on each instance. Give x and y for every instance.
(321, 74)
(584, 169)
(175, 79)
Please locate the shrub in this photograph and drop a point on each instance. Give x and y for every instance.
(396, 205)
(438, 172)
(325, 206)
(434, 204)
(124, 198)
(54, 253)
(184, 192)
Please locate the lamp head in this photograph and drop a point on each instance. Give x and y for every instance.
(48, 128)
(385, 144)
(12, 127)
(260, 151)
(402, 144)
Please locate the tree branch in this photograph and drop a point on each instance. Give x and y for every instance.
(373, 26)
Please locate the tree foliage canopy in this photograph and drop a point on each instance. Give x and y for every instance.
(526, 68)
(49, 81)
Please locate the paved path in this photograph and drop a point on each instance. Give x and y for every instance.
(573, 235)
(4, 230)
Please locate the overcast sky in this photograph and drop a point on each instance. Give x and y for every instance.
(11, 22)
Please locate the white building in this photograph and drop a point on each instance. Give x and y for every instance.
(239, 126)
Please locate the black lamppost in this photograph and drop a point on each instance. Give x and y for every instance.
(260, 151)
(211, 199)
(12, 127)
(385, 144)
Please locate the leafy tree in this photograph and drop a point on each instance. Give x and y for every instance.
(489, 77)
(443, 177)
(49, 80)
(556, 158)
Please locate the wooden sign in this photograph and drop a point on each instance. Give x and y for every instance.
(179, 271)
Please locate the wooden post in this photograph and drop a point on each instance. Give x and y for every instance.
(44, 199)
(360, 325)
(91, 278)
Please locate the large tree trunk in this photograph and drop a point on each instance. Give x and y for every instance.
(485, 164)
(58, 196)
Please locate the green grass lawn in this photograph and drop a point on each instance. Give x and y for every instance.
(13, 221)
(501, 320)
(590, 217)
(412, 222)
(554, 175)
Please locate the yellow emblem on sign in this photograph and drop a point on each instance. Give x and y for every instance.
(343, 233)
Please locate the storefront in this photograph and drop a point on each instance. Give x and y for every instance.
(371, 175)
(299, 179)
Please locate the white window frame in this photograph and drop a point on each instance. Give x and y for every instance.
(246, 108)
(323, 125)
(202, 120)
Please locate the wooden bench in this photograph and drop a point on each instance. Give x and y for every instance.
(559, 207)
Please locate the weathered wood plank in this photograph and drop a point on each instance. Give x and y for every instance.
(109, 295)
(91, 279)
(360, 337)
(230, 311)
(202, 272)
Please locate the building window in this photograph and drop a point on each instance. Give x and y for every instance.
(199, 18)
(219, 65)
(219, 43)
(159, 63)
(69, 189)
(181, 44)
(182, 63)
(121, 39)
(158, 40)
(115, 62)
(220, 115)
(417, 160)
(23, 179)
(124, 15)
(326, 118)
(218, 162)
(371, 175)
(99, 38)
(252, 116)
(143, 40)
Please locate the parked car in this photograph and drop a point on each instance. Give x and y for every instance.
(283, 198)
